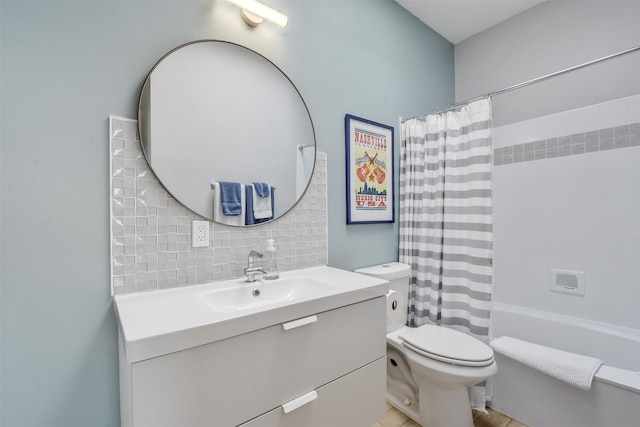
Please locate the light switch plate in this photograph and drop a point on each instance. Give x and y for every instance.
(199, 234)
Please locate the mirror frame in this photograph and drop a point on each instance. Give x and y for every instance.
(250, 51)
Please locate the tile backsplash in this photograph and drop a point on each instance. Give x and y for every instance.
(568, 145)
(151, 231)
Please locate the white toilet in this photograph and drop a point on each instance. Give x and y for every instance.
(430, 367)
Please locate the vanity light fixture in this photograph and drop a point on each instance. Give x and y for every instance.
(253, 13)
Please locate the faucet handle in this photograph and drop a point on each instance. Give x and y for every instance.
(252, 254)
(250, 270)
(251, 273)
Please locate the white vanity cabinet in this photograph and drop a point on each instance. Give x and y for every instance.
(324, 369)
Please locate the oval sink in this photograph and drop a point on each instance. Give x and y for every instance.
(264, 294)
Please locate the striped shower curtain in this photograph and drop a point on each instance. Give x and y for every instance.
(446, 220)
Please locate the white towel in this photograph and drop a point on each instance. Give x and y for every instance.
(261, 205)
(219, 216)
(572, 368)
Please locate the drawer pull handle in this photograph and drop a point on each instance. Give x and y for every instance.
(299, 401)
(299, 322)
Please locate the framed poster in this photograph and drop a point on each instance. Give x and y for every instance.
(369, 149)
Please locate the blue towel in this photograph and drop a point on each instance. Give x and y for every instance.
(250, 220)
(262, 188)
(231, 198)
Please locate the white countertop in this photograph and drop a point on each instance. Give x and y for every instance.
(159, 322)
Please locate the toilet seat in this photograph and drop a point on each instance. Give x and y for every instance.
(448, 346)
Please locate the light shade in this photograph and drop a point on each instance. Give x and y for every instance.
(260, 10)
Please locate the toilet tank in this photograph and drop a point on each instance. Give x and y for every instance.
(397, 273)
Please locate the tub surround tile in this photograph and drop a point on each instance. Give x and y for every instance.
(529, 156)
(577, 149)
(606, 144)
(151, 231)
(569, 145)
(497, 157)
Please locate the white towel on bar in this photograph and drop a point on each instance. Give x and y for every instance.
(219, 216)
(572, 368)
(261, 205)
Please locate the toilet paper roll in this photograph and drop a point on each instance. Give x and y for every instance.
(396, 308)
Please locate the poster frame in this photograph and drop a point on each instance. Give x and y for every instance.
(360, 132)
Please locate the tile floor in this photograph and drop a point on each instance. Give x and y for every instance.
(395, 418)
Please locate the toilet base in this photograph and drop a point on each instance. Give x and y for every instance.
(441, 406)
(411, 410)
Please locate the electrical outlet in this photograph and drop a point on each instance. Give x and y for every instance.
(199, 234)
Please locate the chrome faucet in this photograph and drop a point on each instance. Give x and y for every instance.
(250, 271)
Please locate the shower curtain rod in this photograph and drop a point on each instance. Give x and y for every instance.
(523, 84)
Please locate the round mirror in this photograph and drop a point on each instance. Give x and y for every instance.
(213, 112)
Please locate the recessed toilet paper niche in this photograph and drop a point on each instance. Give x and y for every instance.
(566, 281)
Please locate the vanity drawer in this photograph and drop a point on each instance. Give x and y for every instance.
(355, 400)
(231, 381)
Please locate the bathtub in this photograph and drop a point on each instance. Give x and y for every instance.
(543, 401)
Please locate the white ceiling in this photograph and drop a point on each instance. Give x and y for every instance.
(457, 20)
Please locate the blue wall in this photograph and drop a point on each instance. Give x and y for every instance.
(65, 66)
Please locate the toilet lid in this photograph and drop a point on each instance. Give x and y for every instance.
(448, 345)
